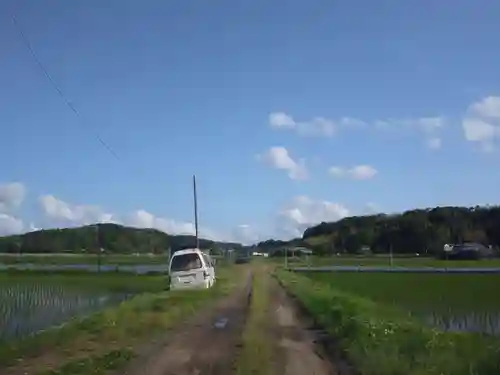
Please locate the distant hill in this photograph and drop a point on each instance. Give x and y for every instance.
(113, 238)
(415, 231)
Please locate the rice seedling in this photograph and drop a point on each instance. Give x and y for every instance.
(451, 302)
(30, 308)
(379, 338)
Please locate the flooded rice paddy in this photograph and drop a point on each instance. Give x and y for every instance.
(27, 308)
(456, 302)
(31, 302)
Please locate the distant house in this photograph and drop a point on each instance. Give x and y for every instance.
(298, 250)
(365, 250)
(468, 251)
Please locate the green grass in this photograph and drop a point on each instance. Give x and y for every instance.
(414, 291)
(120, 259)
(257, 354)
(118, 329)
(91, 259)
(109, 282)
(318, 240)
(397, 261)
(97, 365)
(384, 340)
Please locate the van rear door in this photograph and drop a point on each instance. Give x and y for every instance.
(186, 269)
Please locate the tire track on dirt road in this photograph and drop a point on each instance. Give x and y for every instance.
(206, 345)
(299, 349)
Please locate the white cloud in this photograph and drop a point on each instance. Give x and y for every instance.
(371, 208)
(246, 234)
(10, 225)
(434, 143)
(481, 123)
(11, 196)
(145, 219)
(352, 122)
(303, 212)
(358, 172)
(428, 124)
(431, 128)
(489, 107)
(323, 127)
(318, 126)
(281, 120)
(33, 228)
(60, 213)
(336, 171)
(279, 158)
(64, 213)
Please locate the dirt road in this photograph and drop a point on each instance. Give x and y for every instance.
(210, 343)
(297, 343)
(206, 345)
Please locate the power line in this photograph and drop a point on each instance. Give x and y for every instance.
(70, 105)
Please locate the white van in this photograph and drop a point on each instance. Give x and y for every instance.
(191, 269)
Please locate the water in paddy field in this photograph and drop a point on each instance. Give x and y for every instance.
(481, 322)
(28, 308)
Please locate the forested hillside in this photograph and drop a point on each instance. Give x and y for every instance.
(111, 237)
(415, 231)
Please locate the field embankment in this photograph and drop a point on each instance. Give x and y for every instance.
(105, 340)
(60, 259)
(380, 339)
(384, 260)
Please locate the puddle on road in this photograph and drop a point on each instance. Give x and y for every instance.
(221, 323)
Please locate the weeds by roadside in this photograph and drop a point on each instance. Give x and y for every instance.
(87, 342)
(380, 340)
(257, 354)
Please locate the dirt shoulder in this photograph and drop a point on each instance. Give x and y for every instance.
(107, 341)
(278, 339)
(298, 344)
(204, 345)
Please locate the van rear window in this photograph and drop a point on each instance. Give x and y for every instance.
(185, 262)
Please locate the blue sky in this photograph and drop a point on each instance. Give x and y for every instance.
(407, 92)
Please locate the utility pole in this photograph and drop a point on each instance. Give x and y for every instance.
(98, 243)
(195, 213)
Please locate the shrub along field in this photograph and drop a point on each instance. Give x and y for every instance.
(95, 336)
(379, 320)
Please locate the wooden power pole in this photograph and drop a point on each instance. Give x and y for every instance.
(195, 213)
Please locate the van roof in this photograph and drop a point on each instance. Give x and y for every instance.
(186, 251)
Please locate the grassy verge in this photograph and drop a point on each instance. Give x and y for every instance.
(385, 261)
(98, 364)
(106, 339)
(381, 340)
(55, 259)
(90, 259)
(82, 280)
(256, 356)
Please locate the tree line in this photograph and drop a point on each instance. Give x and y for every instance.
(113, 238)
(423, 231)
